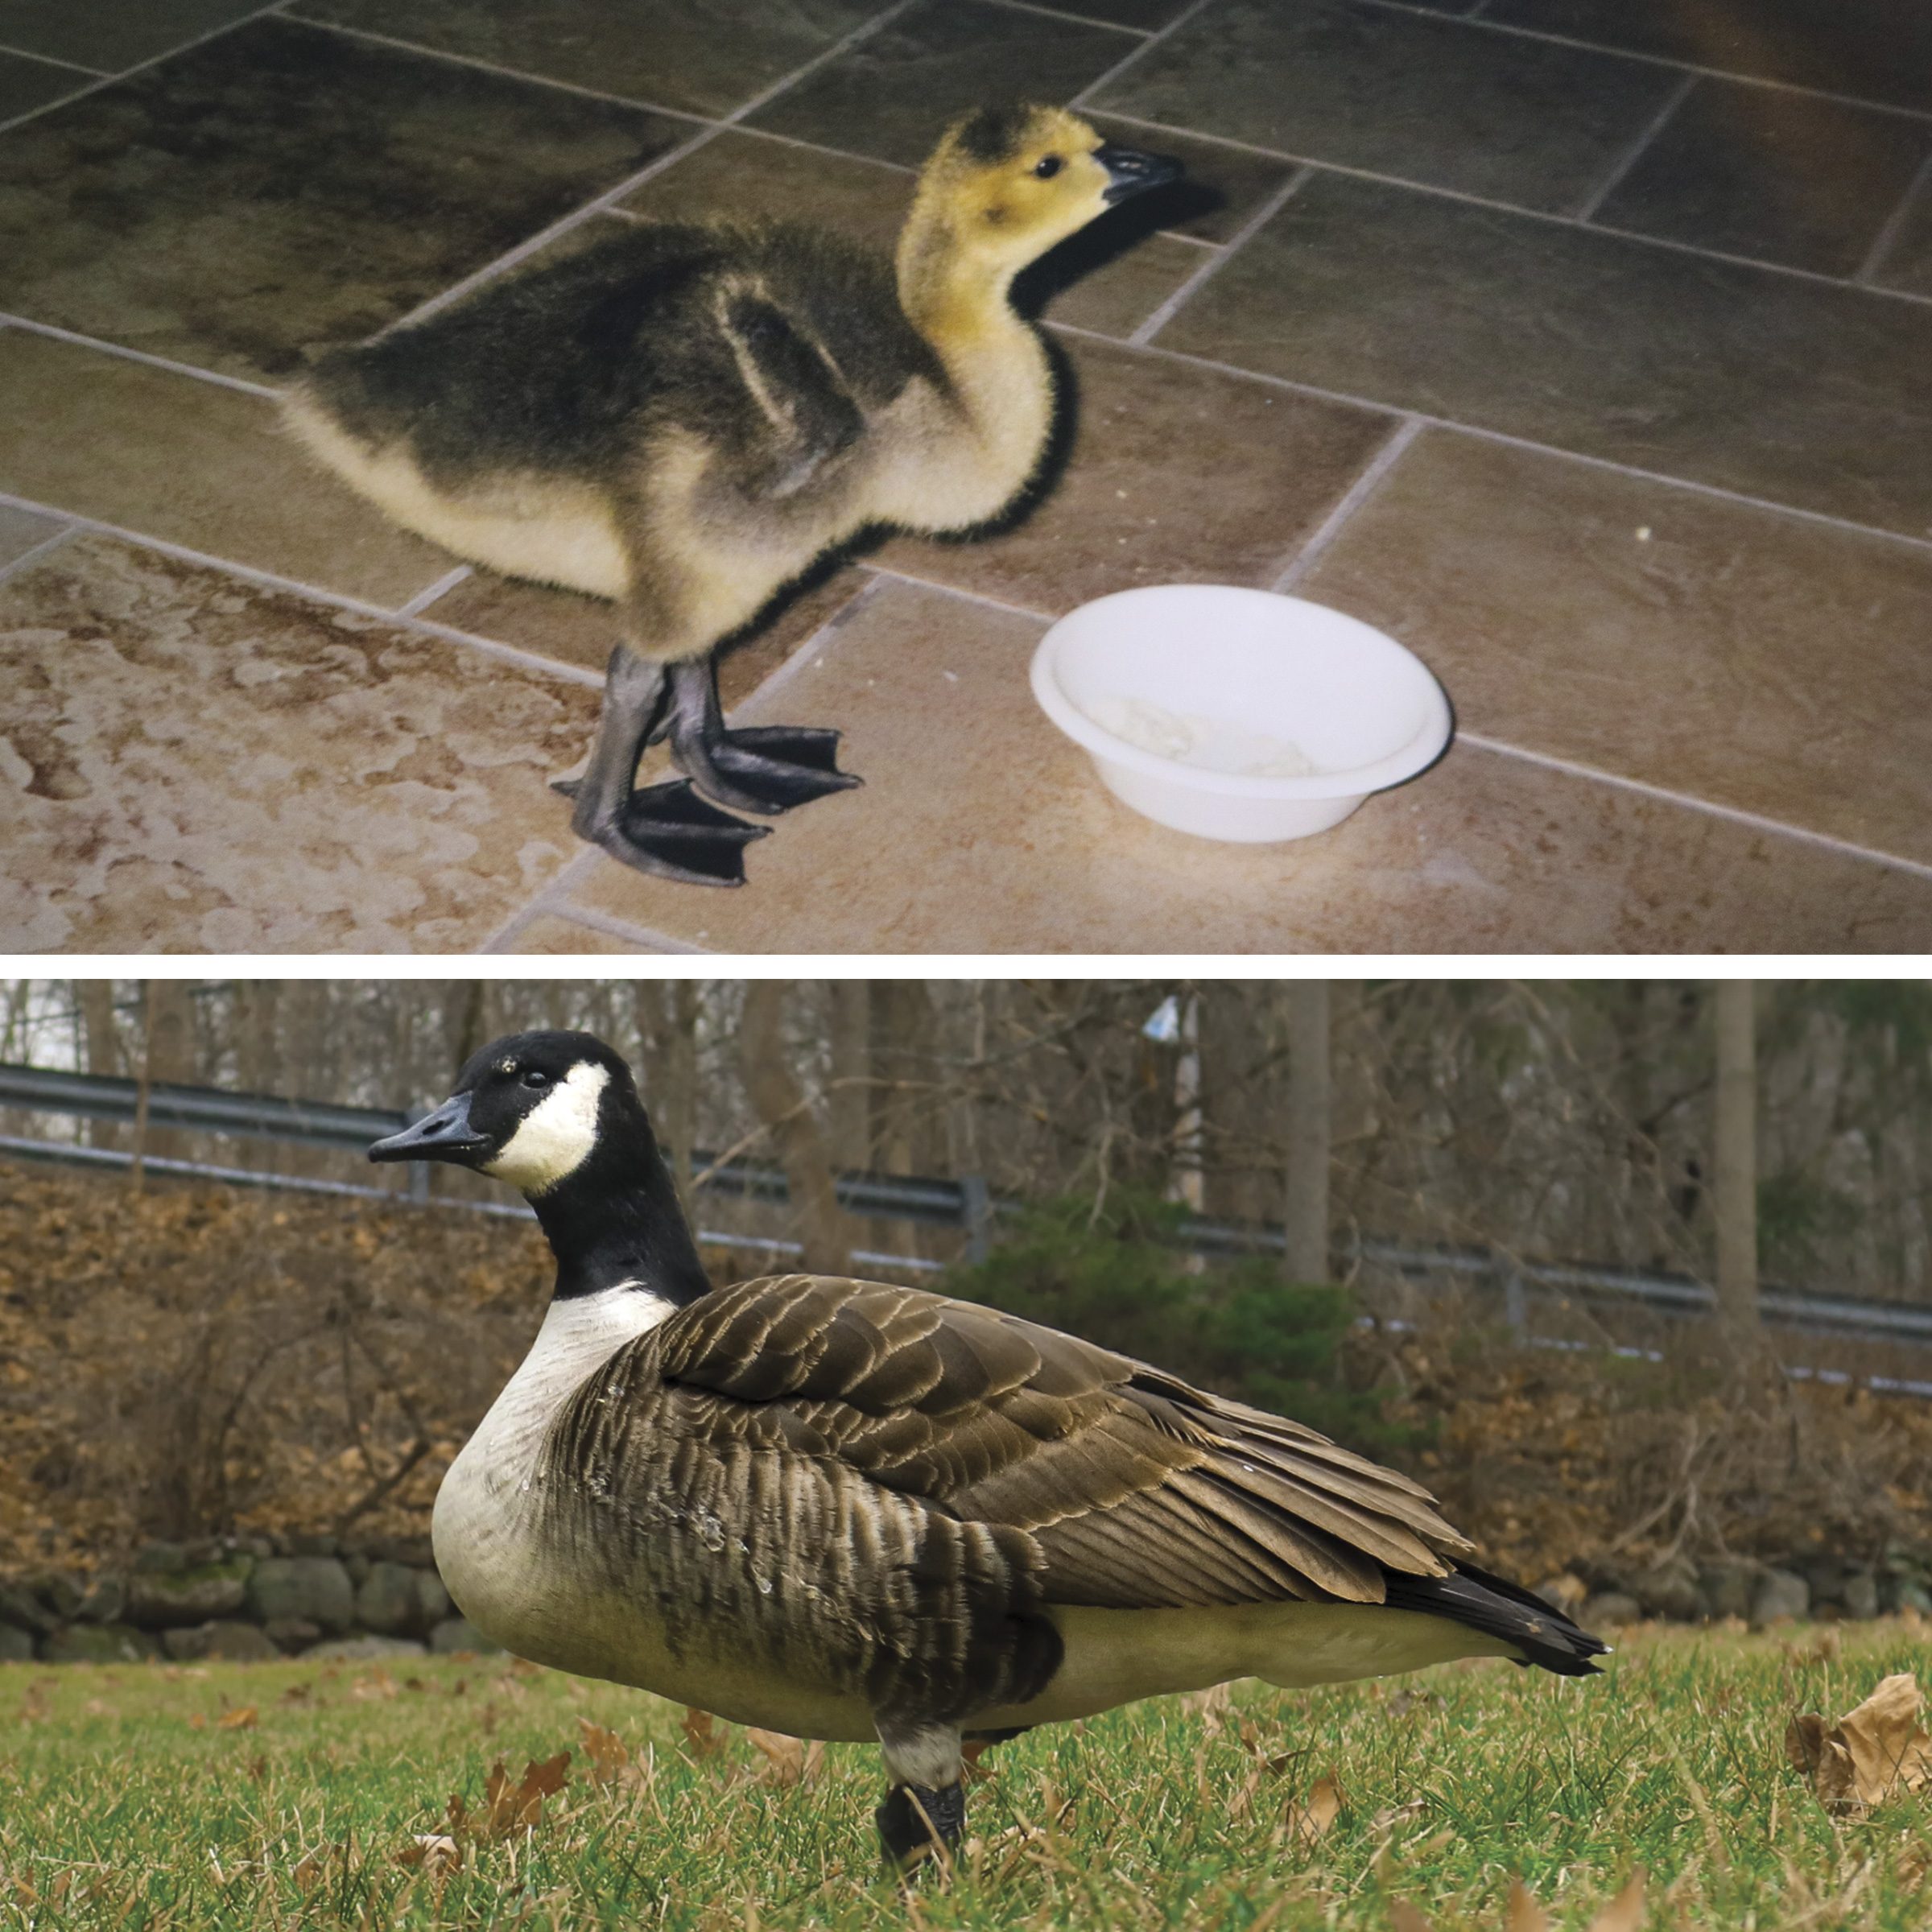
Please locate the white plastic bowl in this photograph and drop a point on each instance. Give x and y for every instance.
(1365, 712)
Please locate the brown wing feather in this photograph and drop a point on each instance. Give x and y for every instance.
(1139, 1490)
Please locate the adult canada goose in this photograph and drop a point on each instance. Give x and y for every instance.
(843, 1510)
(683, 418)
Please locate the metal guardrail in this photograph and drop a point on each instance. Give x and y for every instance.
(965, 1203)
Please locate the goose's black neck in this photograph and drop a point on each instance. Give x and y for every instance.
(615, 1217)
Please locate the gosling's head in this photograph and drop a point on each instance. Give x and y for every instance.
(1010, 182)
(531, 1109)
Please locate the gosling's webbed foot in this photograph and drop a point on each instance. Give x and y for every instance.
(670, 833)
(764, 768)
(917, 1822)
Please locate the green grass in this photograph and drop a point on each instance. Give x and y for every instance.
(117, 1810)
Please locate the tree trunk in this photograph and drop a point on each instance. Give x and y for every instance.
(779, 1102)
(1306, 1206)
(667, 1024)
(1735, 1192)
(95, 999)
(850, 1053)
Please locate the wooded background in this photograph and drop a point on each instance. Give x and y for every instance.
(1569, 1120)
(176, 1358)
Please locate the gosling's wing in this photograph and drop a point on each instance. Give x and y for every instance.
(1139, 1490)
(801, 413)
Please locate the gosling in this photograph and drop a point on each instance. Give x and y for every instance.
(842, 1509)
(683, 418)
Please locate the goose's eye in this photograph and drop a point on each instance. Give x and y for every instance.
(535, 1076)
(1048, 166)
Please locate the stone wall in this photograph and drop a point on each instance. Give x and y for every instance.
(1816, 1585)
(242, 1598)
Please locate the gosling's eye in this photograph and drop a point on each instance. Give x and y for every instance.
(534, 1076)
(1047, 167)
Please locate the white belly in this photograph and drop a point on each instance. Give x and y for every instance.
(539, 527)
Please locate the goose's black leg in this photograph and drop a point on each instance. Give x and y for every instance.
(667, 829)
(924, 1813)
(766, 768)
(916, 1822)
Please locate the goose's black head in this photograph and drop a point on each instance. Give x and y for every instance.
(557, 1115)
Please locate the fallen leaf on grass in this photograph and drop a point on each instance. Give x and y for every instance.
(1623, 1913)
(432, 1852)
(1312, 1819)
(243, 1717)
(1873, 1752)
(508, 1808)
(702, 1737)
(306, 1872)
(788, 1761)
(605, 1751)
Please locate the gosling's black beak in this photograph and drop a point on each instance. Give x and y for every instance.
(1129, 170)
(445, 1134)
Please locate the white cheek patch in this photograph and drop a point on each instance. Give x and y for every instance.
(556, 1136)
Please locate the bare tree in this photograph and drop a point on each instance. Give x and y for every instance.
(1735, 1149)
(780, 1104)
(1306, 1215)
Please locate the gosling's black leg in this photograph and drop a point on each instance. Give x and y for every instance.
(666, 830)
(766, 768)
(917, 1822)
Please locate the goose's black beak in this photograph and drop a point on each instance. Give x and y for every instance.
(1129, 171)
(445, 1134)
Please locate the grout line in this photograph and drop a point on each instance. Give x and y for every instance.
(1779, 827)
(1501, 435)
(819, 147)
(1212, 266)
(1894, 226)
(492, 67)
(36, 552)
(563, 225)
(1655, 127)
(863, 31)
(227, 26)
(1364, 486)
(1147, 46)
(269, 580)
(136, 355)
(429, 594)
(1079, 19)
(972, 596)
(706, 131)
(797, 659)
(74, 67)
(1478, 17)
(1532, 214)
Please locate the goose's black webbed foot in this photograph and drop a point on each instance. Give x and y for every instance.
(916, 1822)
(669, 831)
(764, 768)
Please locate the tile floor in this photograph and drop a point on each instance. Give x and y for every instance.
(1584, 345)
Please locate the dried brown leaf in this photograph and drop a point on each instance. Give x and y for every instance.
(1315, 1817)
(1874, 1751)
(1626, 1912)
(788, 1761)
(1404, 1917)
(1524, 1914)
(702, 1737)
(508, 1808)
(308, 1871)
(605, 1749)
(433, 1852)
(244, 1717)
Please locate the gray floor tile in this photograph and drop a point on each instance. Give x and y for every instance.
(284, 187)
(892, 94)
(1771, 173)
(1717, 372)
(26, 84)
(1877, 49)
(706, 59)
(1402, 93)
(109, 35)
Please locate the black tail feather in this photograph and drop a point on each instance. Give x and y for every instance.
(1498, 1608)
